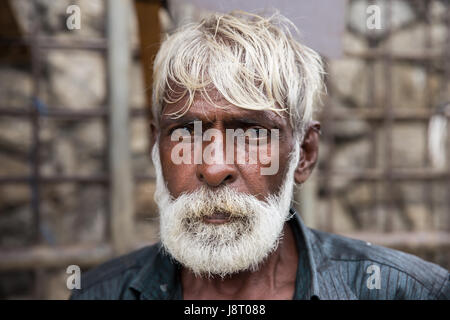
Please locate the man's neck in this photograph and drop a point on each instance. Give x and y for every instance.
(275, 279)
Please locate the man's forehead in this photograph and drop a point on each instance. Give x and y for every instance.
(219, 109)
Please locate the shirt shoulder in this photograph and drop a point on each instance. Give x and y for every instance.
(111, 280)
(356, 264)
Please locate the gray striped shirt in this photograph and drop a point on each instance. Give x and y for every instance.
(330, 267)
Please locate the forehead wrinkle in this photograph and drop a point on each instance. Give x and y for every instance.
(203, 109)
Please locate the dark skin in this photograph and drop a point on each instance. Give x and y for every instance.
(276, 276)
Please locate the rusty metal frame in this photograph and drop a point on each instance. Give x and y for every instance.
(386, 117)
(41, 256)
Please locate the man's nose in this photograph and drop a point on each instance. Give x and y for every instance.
(215, 175)
(216, 171)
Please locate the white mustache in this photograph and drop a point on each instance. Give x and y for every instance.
(206, 202)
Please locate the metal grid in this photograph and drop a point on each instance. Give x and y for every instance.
(386, 118)
(40, 256)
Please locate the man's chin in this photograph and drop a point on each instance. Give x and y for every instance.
(219, 249)
(217, 268)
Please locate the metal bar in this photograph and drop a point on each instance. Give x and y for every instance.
(371, 113)
(65, 114)
(56, 113)
(105, 121)
(376, 114)
(101, 179)
(373, 156)
(35, 149)
(55, 43)
(55, 179)
(446, 96)
(121, 186)
(53, 257)
(86, 256)
(398, 174)
(410, 240)
(388, 122)
(429, 103)
(376, 54)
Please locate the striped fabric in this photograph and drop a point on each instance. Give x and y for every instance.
(330, 267)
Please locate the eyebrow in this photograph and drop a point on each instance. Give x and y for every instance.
(249, 119)
(183, 119)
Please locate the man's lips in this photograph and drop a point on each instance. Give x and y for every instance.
(218, 218)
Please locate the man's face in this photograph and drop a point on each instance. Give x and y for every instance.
(220, 217)
(242, 177)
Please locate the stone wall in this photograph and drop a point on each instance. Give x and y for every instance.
(416, 85)
(76, 80)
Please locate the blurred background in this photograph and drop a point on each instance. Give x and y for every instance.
(76, 178)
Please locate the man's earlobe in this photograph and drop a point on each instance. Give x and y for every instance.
(309, 153)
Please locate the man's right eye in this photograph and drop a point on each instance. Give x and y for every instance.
(182, 130)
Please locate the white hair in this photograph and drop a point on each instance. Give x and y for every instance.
(254, 62)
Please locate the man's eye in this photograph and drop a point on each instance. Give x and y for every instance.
(182, 130)
(188, 128)
(256, 133)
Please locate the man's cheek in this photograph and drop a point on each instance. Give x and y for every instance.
(269, 158)
(252, 182)
(177, 174)
(179, 179)
(180, 147)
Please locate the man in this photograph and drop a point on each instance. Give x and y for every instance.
(232, 133)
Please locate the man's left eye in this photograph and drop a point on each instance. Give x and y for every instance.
(256, 132)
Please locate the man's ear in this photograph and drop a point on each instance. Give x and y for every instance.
(309, 153)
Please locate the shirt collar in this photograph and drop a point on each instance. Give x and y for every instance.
(306, 287)
(160, 278)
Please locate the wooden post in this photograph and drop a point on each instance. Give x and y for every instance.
(149, 39)
(121, 184)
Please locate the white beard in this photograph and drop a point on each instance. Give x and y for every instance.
(252, 234)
